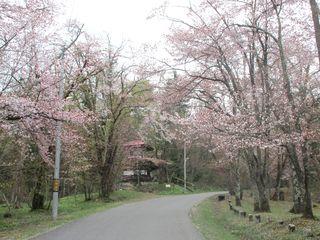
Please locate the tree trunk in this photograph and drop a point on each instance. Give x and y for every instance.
(301, 187)
(107, 179)
(37, 201)
(281, 165)
(275, 196)
(298, 193)
(238, 200)
(315, 17)
(109, 156)
(307, 213)
(87, 187)
(104, 183)
(276, 193)
(258, 173)
(38, 197)
(85, 193)
(263, 198)
(16, 195)
(297, 180)
(302, 177)
(256, 205)
(238, 186)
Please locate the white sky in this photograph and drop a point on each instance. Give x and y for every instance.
(121, 19)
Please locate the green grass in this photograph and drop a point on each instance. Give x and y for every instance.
(205, 218)
(25, 223)
(216, 221)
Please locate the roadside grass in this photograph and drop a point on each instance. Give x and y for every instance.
(25, 223)
(204, 216)
(216, 221)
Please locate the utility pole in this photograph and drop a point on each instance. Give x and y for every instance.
(56, 176)
(185, 166)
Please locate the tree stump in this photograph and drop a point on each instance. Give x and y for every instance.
(258, 218)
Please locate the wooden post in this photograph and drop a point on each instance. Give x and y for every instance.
(258, 219)
(291, 227)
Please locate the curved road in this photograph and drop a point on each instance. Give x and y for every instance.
(163, 218)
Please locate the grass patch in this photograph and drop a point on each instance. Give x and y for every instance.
(25, 223)
(216, 221)
(204, 216)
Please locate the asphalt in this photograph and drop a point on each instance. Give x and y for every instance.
(164, 218)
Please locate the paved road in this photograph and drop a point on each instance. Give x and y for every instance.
(156, 219)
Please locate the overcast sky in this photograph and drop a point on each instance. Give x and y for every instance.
(122, 19)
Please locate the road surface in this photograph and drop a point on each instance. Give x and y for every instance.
(163, 218)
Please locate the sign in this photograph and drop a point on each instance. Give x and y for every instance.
(55, 185)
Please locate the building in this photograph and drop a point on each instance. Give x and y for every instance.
(139, 166)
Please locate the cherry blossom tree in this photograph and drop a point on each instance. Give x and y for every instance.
(249, 89)
(315, 17)
(112, 95)
(36, 55)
